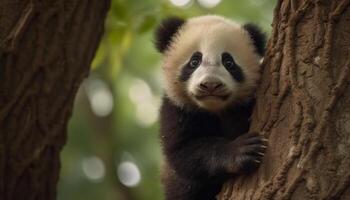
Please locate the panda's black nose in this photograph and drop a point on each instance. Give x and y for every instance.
(210, 86)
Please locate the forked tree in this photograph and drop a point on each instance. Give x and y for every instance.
(303, 106)
(46, 48)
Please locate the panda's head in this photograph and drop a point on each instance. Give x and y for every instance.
(209, 61)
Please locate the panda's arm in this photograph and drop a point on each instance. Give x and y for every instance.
(209, 157)
(201, 158)
(195, 153)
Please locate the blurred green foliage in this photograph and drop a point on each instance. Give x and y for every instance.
(113, 150)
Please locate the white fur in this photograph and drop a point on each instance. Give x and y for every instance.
(211, 35)
(216, 72)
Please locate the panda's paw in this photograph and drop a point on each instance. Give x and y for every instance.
(248, 151)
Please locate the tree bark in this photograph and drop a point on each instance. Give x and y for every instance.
(303, 106)
(46, 48)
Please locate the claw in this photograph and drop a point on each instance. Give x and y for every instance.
(257, 161)
(262, 154)
(264, 139)
(264, 146)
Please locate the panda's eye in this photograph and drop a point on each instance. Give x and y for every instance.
(227, 60)
(196, 60)
(228, 63)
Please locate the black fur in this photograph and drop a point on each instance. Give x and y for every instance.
(203, 150)
(166, 31)
(257, 36)
(186, 73)
(235, 70)
(188, 69)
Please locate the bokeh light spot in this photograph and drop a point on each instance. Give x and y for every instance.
(180, 3)
(93, 168)
(209, 3)
(146, 103)
(100, 97)
(129, 174)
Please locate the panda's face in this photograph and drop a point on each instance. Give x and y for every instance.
(211, 63)
(211, 79)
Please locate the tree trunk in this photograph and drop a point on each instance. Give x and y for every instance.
(46, 48)
(303, 106)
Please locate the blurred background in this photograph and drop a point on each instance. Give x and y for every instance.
(113, 152)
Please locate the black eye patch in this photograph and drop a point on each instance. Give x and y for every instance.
(230, 65)
(191, 66)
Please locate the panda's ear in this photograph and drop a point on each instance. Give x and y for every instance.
(165, 32)
(258, 37)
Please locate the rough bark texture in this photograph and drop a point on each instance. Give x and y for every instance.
(303, 106)
(46, 48)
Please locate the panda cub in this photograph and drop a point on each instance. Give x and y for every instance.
(211, 67)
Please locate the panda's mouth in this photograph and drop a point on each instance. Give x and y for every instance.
(212, 97)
